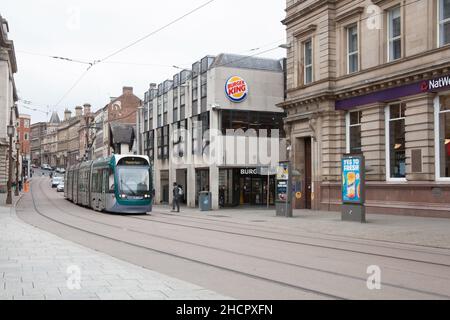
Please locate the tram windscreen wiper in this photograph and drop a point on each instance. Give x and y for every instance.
(122, 183)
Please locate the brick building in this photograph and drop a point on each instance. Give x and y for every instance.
(23, 136)
(371, 77)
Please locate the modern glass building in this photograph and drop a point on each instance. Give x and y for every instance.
(216, 128)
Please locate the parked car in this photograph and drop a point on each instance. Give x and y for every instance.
(56, 181)
(60, 170)
(60, 187)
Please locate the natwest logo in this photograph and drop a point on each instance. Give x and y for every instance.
(236, 89)
(434, 84)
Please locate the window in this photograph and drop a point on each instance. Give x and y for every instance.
(159, 111)
(354, 132)
(165, 142)
(394, 34)
(308, 62)
(200, 142)
(26, 136)
(27, 123)
(444, 22)
(165, 108)
(151, 145)
(175, 105)
(182, 103)
(395, 141)
(179, 138)
(443, 137)
(159, 139)
(352, 49)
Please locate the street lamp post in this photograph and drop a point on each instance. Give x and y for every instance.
(10, 132)
(16, 193)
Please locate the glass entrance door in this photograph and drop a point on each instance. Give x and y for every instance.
(257, 191)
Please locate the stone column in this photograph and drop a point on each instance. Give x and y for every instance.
(419, 135)
(373, 142)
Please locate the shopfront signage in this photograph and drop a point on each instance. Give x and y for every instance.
(248, 172)
(434, 84)
(236, 89)
(390, 94)
(351, 180)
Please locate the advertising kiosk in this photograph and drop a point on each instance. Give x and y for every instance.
(353, 188)
(284, 190)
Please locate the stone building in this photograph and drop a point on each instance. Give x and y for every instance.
(50, 141)
(372, 78)
(8, 98)
(38, 132)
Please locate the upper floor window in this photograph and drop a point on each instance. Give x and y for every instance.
(308, 61)
(352, 49)
(444, 22)
(394, 34)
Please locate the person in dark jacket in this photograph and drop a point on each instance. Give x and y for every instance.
(176, 197)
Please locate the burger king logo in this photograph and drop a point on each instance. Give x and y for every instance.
(236, 89)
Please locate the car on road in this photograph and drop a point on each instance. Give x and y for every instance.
(56, 181)
(46, 167)
(60, 170)
(60, 187)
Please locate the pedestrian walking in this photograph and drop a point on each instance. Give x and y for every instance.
(176, 197)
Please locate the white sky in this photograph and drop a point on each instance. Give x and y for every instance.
(51, 27)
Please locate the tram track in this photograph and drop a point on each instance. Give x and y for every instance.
(281, 283)
(241, 225)
(221, 250)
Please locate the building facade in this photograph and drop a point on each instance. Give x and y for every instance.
(50, 141)
(8, 99)
(197, 126)
(371, 78)
(38, 132)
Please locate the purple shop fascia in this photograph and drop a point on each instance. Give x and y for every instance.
(434, 85)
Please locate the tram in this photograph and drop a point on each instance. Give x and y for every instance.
(117, 184)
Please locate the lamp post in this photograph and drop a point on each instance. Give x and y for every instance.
(16, 193)
(10, 132)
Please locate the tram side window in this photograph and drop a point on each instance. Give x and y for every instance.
(111, 181)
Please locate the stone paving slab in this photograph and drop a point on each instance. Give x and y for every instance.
(34, 265)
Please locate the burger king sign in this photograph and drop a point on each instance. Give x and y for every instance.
(236, 89)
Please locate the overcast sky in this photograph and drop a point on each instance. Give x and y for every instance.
(90, 30)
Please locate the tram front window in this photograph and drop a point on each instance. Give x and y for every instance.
(134, 181)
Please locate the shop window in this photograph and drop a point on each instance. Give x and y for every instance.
(395, 133)
(308, 61)
(352, 49)
(444, 136)
(394, 34)
(354, 132)
(444, 22)
(175, 105)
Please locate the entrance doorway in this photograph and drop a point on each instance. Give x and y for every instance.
(303, 163)
(182, 181)
(165, 186)
(253, 190)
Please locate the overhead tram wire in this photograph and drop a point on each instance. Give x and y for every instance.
(132, 44)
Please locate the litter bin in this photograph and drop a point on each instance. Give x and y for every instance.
(205, 201)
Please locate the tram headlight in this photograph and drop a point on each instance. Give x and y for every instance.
(147, 196)
(122, 196)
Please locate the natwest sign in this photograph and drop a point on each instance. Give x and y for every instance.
(435, 84)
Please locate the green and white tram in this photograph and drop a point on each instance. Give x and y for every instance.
(118, 184)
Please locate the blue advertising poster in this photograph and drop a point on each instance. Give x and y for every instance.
(351, 180)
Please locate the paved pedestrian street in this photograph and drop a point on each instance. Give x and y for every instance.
(36, 265)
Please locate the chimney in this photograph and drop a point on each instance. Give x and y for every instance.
(67, 115)
(127, 90)
(87, 109)
(78, 111)
(153, 86)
